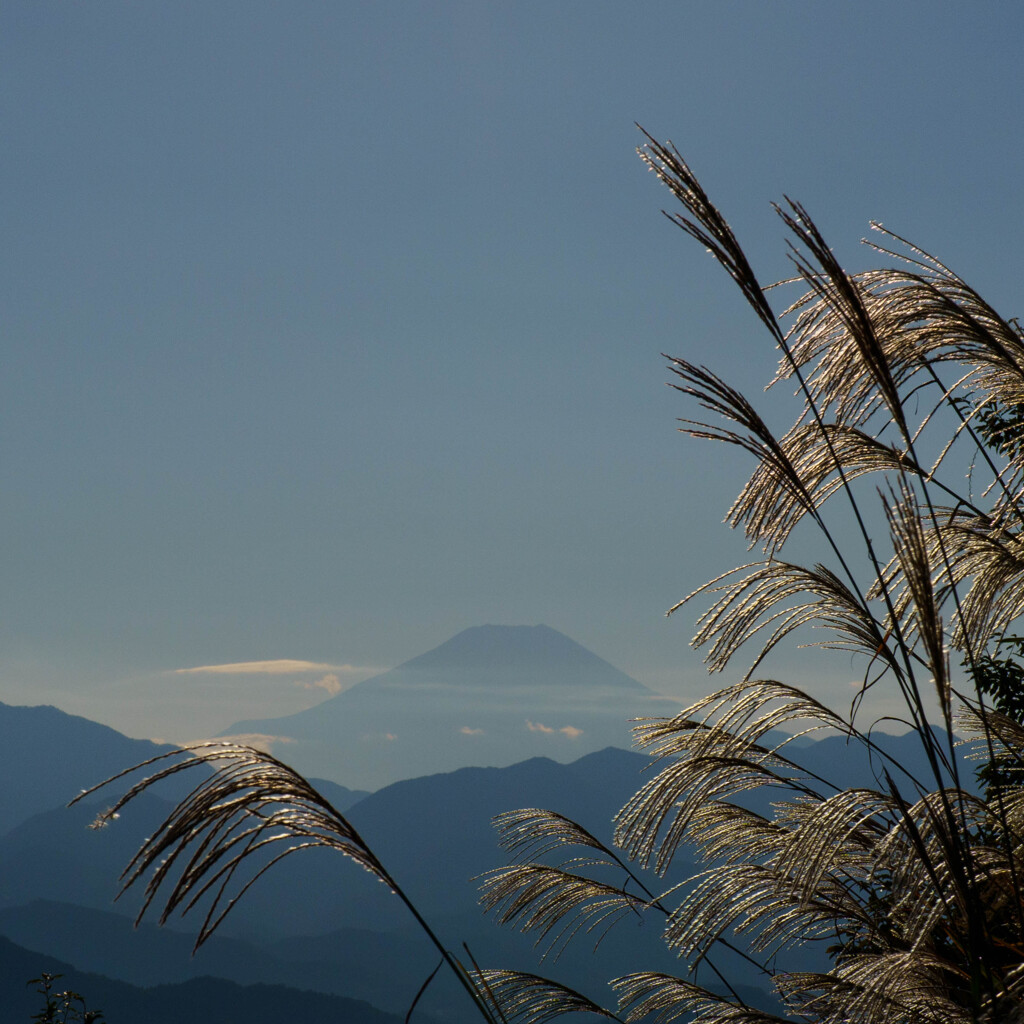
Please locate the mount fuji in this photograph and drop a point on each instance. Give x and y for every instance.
(489, 696)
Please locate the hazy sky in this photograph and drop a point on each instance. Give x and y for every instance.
(331, 329)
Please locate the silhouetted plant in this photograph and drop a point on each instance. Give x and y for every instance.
(913, 887)
(1001, 680)
(61, 1007)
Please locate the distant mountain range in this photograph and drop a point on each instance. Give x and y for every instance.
(315, 921)
(198, 1000)
(492, 695)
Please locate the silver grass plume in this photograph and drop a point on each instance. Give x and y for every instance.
(247, 813)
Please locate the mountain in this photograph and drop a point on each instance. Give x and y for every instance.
(355, 963)
(492, 695)
(55, 855)
(54, 756)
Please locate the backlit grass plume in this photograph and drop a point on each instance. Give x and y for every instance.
(247, 812)
(905, 455)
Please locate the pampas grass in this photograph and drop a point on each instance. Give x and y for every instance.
(913, 887)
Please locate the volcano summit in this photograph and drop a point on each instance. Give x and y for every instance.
(489, 696)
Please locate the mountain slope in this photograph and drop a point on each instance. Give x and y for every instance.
(55, 755)
(384, 970)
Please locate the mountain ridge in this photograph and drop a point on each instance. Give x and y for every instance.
(197, 999)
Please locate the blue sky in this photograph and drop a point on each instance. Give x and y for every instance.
(333, 329)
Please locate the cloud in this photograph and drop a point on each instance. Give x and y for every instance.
(378, 737)
(281, 667)
(466, 731)
(567, 730)
(330, 682)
